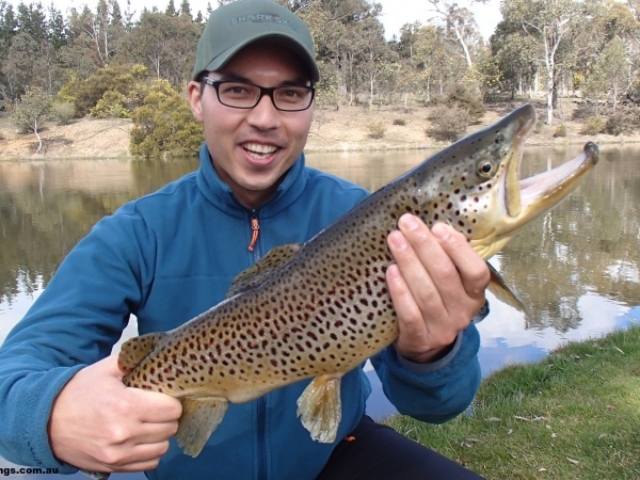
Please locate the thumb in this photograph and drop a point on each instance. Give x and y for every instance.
(109, 366)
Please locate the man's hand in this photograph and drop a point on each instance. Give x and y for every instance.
(99, 424)
(437, 284)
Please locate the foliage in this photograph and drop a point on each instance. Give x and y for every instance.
(164, 124)
(63, 112)
(32, 110)
(124, 84)
(622, 122)
(560, 131)
(376, 129)
(463, 98)
(448, 123)
(593, 125)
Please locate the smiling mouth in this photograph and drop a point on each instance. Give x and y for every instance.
(259, 151)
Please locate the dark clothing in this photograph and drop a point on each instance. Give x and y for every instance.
(377, 452)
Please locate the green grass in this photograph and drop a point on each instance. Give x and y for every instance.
(575, 415)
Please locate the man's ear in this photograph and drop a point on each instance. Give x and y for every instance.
(195, 99)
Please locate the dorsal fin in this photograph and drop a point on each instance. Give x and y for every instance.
(135, 349)
(257, 273)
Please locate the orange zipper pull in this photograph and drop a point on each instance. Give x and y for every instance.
(255, 226)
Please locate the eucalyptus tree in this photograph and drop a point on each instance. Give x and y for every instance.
(460, 23)
(32, 111)
(104, 28)
(442, 66)
(166, 45)
(549, 23)
(515, 55)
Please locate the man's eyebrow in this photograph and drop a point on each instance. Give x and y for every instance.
(234, 77)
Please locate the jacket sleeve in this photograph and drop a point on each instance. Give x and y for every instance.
(433, 392)
(74, 323)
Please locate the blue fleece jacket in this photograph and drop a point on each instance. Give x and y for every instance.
(167, 257)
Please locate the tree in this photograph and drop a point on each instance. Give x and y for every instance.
(610, 74)
(32, 110)
(460, 22)
(549, 23)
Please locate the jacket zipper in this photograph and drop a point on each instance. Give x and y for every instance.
(255, 232)
(261, 402)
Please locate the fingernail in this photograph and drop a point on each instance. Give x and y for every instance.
(396, 239)
(441, 231)
(409, 222)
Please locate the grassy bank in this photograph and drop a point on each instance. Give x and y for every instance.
(575, 415)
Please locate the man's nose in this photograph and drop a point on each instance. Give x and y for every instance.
(264, 115)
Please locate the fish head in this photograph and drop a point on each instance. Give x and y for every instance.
(474, 185)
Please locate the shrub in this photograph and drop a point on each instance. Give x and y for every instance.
(376, 129)
(164, 125)
(400, 122)
(63, 112)
(620, 123)
(593, 125)
(448, 123)
(463, 98)
(561, 131)
(112, 105)
(87, 93)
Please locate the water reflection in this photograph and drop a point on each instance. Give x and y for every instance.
(576, 268)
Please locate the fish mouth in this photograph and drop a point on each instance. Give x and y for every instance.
(529, 198)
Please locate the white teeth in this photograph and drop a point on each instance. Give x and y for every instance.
(258, 149)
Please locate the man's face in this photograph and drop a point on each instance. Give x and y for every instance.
(251, 149)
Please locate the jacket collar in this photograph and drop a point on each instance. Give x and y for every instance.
(221, 196)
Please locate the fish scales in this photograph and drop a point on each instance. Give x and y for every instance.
(320, 309)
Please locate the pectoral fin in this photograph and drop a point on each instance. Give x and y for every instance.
(320, 409)
(200, 417)
(256, 274)
(502, 292)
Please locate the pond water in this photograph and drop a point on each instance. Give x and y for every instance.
(576, 269)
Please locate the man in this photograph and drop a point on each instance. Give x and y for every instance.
(171, 255)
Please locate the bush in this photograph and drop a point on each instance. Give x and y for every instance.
(622, 122)
(461, 97)
(448, 123)
(593, 125)
(63, 112)
(376, 129)
(164, 125)
(400, 122)
(561, 131)
(123, 80)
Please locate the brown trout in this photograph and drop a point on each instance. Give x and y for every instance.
(321, 309)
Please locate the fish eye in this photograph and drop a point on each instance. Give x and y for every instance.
(499, 138)
(485, 168)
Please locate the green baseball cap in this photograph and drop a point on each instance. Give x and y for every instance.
(233, 26)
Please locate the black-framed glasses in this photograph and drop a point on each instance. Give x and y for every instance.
(288, 98)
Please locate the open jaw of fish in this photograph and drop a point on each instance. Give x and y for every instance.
(321, 309)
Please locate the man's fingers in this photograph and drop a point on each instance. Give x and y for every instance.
(154, 407)
(471, 268)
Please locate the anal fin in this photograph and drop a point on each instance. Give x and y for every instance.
(502, 292)
(200, 417)
(320, 408)
(96, 475)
